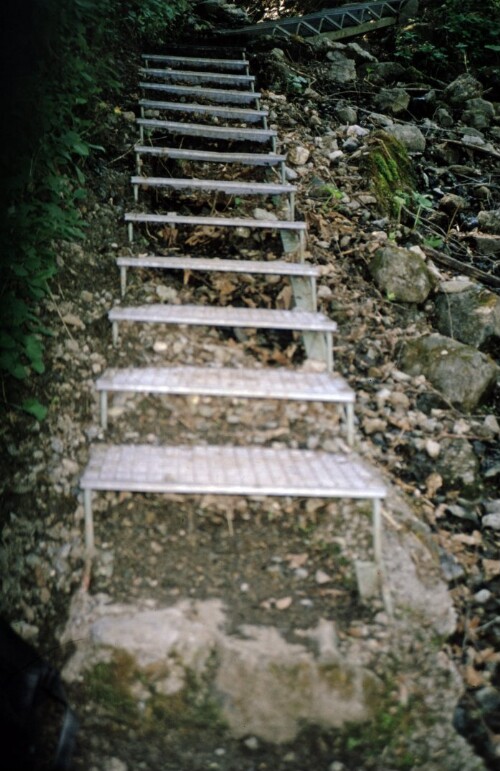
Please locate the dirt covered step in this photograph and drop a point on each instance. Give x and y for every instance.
(193, 76)
(282, 384)
(208, 156)
(226, 470)
(228, 113)
(220, 95)
(172, 60)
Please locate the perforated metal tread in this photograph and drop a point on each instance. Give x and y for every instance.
(210, 156)
(220, 95)
(207, 131)
(215, 264)
(234, 222)
(223, 470)
(191, 76)
(207, 315)
(230, 187)
(228, 113)
(234, 65)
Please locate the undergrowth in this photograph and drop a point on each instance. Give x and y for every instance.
(59, 58)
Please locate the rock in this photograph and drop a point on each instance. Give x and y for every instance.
(335, 155)
(458, 466)
(393, 100)
(321, 577)
(489, 221)
(452, 569)
(402, 274)
(167, 294)
(482, 596)
(410, 136)
(382, 72)
(345, 112)
(471, 316)
(350, 145)
(342, 70)
(493, 507)
(478, 113)
(298, 155)
(114, 764)
(462, 89)
(492, 521)
(487, 245)
(359, 54)
(451, 203)
(461, 373)
(264, 214)
(432, 448)
(443, 118)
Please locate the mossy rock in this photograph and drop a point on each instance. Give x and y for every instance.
(389, 169)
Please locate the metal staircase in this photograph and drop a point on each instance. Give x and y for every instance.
(334, 23)
(223, 470)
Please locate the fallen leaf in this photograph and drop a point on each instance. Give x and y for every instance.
(433, 482)
(284, 603)
(297, 560)
(491, 568)
(472, 677)
(468, 540)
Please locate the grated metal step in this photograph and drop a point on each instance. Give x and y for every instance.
(191, 76)
(210, 156)
(228, 470)
(229, 187)
(245, 318)
(303, 277)
(207, 131)
(298, 227)
(216, 265)
(228, 113)
(210, 94)
(280, 384)
(231, 65)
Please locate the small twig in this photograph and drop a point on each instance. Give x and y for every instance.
(59, 313)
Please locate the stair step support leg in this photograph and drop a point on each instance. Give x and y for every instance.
(304, 292)
(89, 523)
(319, 346)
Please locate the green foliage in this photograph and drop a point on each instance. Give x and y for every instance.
(60, 60)
(390, 171)
(455, 34)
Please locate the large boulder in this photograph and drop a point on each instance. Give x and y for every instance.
(478, 113)
(383, 72)
(489, 221)
(341, 70)
(462, 89)
(461, 373)
(410, 136)
(393, 100)
(402, 274)
(467, 312)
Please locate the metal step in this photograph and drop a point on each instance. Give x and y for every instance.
(210, 156)
(244, 318)
(225, 470)
(209, 94)
(214, 264)
(215, 185)
(231, 65)
(191, 76)
(206, 131)
(298, 227)
(228, 113)
(280, 384)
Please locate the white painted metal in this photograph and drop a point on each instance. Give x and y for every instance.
(207, 131)
(191, 76)
(234, 65)
(228, 471)
(220, 95)
(228, 113)
(280, 384)
(230, 187)
(214, 264)
(234, 222)
(249, 318)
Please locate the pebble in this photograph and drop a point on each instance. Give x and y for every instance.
(159, 346)
(482, 596)
(492, 521)
(335, 155)
(493, 507)
(491, 423)
(321, 577)
(432, 448)
(252, 743)
(298, 155)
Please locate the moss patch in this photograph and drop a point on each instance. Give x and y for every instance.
(389, 169)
